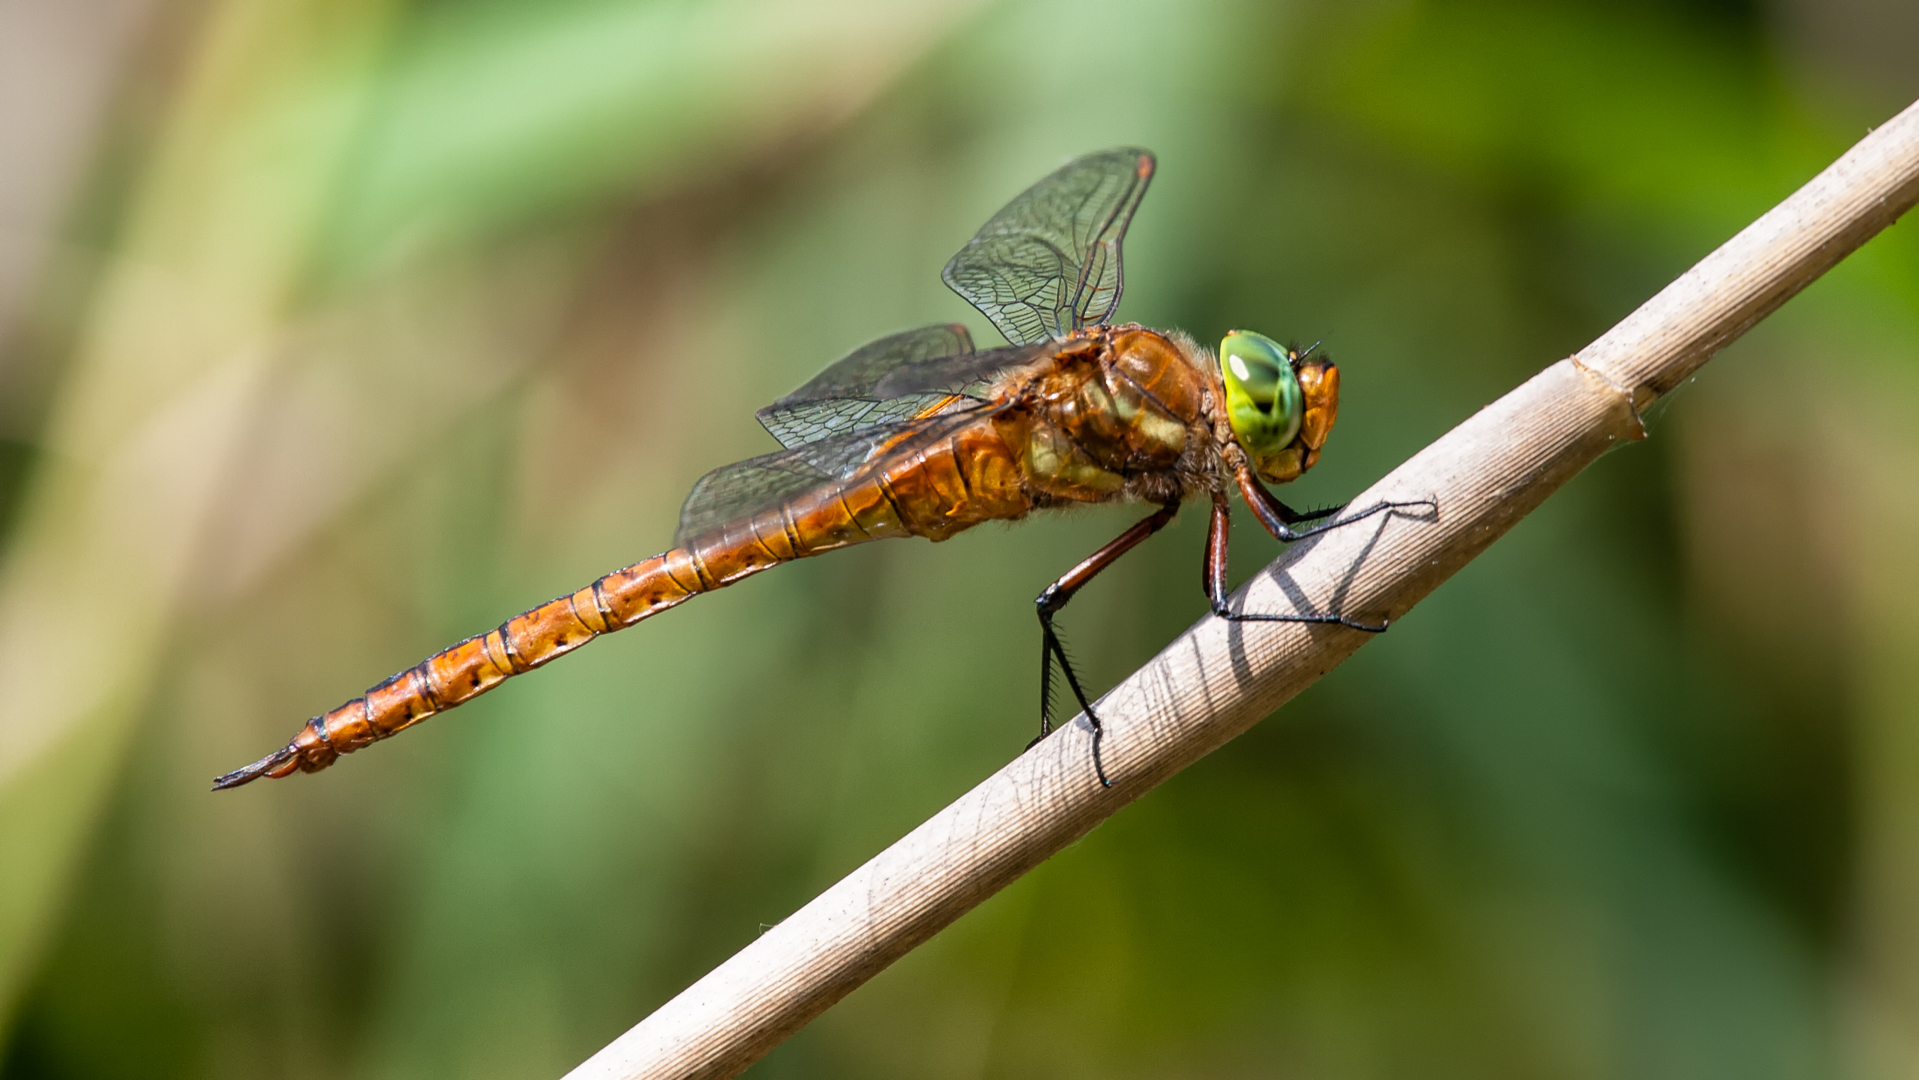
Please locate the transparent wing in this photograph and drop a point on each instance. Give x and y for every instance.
(841, 399)
(856, 374)
(812, 421)
(1049, 262)
(958, 374)
(744, 489)
(894, 379)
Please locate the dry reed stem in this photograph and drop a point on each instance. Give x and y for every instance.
(1220, 678)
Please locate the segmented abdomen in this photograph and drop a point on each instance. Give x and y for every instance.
(934, 492)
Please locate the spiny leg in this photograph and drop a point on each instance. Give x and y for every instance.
(1055, 598)
(1279, 519)
(1219, 530)
(1293, 517)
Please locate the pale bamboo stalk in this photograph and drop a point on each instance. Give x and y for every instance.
(1220, 678)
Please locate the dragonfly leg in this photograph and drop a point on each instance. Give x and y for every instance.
(1055, 598)
(1279, 519)
(1293, 517)
(1217, 534)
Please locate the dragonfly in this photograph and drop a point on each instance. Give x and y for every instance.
(921, 434)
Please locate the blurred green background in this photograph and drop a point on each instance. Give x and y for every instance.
(332, 331)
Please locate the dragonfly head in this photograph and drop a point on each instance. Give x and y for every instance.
(1280, 403)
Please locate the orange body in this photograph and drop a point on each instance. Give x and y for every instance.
(1111, 413)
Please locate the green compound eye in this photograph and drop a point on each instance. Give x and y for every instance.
(1263, 400)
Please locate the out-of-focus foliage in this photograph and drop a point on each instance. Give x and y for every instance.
(1636, 795)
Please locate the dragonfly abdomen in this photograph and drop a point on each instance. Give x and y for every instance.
(478, 664)
(951, 484)
(969, 477)
(955, 483)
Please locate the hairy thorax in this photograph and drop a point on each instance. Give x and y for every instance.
(1119, 412)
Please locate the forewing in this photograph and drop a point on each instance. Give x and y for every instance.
(855, 375)
(811, 421)
(748, 488)
(957, 374)
(1049, 262)
(891, 385)
(840, 399)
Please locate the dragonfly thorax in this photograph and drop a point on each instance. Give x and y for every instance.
(1116, 406)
